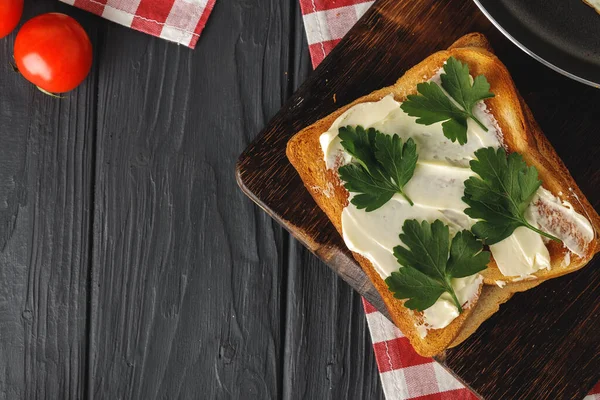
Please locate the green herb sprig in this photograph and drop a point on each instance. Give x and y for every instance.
(384, 166)
(429, 263)
(432, 105)
(501, 193)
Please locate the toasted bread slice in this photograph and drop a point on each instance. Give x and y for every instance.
(520, 133)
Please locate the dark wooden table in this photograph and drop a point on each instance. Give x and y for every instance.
(131, 264)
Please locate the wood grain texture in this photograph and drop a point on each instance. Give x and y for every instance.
(132, 266)
(186, 294)
(190, 293)
(541, 344)
(46, 163)
(328, 347)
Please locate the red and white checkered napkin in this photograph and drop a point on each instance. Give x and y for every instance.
(404, 374)
(327, 21)
(179, 21)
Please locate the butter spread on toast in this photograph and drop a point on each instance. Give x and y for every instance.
(437, 188)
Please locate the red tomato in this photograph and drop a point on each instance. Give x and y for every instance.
(53, 52)
(10, 14)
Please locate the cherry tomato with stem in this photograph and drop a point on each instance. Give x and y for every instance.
(10, 15)
(53, 52)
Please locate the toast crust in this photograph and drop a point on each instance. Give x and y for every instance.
(520, 133)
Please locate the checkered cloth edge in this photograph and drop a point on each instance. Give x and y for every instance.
(327, 21)
(404, 374)
(180, 21)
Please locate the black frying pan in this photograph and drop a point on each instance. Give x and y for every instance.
(562, 34)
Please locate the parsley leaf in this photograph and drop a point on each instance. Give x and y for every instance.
(431, 105)
(429, 262)
(385, 165)
(359, 143)
(500, 195)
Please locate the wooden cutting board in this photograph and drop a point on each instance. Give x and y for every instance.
(542, 344)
